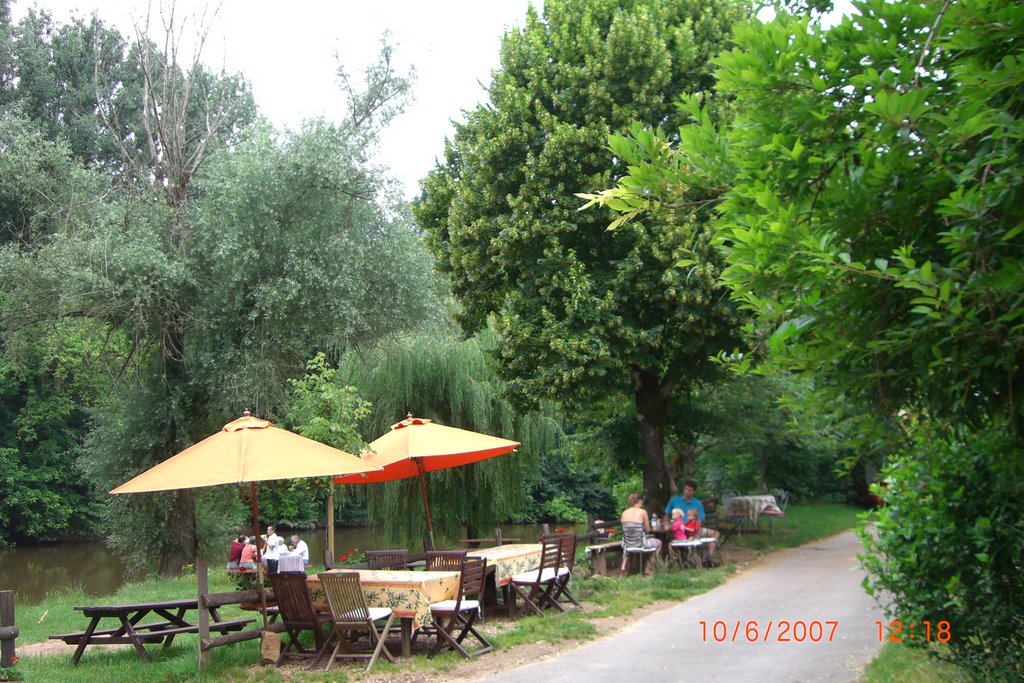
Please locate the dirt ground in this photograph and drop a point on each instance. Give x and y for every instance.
(467, 670)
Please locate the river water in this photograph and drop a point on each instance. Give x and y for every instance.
(34, 571)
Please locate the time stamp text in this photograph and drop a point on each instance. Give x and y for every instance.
(817, 631)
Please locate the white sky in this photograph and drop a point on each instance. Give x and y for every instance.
(287, 51)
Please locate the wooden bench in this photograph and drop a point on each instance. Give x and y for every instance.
(600, 553)
(156, 632)
(76, 637)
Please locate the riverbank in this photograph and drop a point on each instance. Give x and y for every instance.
(610, 604)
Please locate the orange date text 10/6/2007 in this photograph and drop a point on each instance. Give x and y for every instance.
(924, 631)
(779, 631)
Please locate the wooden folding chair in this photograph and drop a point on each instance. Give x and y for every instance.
(387, 559)
(453, 619)
(537, 586)
(440, 561)
(445, 560)
(566, 564)
(350, 613)
(297, 613)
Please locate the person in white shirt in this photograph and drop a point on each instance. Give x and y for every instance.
(272, 539)
(273, 553)
(299, 547)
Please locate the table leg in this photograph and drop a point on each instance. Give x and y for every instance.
(84, 641)
(490, 589)
(406, 637)
(177, 619)
(134, 637)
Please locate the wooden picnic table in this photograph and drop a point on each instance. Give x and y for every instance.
(134, 631)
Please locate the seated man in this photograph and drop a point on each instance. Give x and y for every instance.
(686, 502)
(299, 547)
(235, 553)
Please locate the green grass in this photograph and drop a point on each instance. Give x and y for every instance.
(900, 663)
(802, 524)
(612, 597)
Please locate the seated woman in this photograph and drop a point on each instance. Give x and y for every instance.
(636, 515)
(248, 558)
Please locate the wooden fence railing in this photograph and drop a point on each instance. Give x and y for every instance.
(8, 630)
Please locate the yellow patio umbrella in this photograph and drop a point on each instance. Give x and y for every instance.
(247, 450)
(417, 445)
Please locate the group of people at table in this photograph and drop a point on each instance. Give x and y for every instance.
(242, 554)
(687, 518)
(685, 511)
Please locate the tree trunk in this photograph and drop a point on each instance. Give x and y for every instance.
(181, 529)
(652, 399)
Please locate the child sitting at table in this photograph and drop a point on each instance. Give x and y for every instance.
(691, 528)
(678, 530)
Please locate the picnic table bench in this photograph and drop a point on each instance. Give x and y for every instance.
(132, 630)
(600, 553)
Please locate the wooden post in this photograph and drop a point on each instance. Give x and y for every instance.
(8, 631)
(202, 581)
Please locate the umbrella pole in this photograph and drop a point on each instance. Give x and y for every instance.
(330, 521)
(259, 553)
(426, 505)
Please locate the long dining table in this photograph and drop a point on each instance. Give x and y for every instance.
(746, 510)
(408, 593)
(507, 560)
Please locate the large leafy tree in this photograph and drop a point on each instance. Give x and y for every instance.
(871, 221)
(583, 314)
(50, 72)
(48, 384)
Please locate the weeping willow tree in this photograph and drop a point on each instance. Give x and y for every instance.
(452, 382)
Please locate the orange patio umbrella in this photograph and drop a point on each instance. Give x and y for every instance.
(416, 445)
(247, 450)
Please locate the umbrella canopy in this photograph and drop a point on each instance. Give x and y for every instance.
(416, 445)
(246, 450)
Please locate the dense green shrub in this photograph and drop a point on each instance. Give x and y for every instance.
(950, 545)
